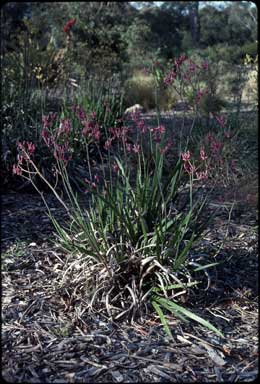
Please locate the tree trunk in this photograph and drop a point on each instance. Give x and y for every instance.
(195, 23)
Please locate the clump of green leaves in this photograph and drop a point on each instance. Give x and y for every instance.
(137, 231)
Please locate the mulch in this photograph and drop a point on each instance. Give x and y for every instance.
(48, 336)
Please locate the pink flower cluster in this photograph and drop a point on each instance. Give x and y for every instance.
(199, 95)
(45, 134)
(61, 152)
(26, 149)
(203, 154)
(170, 77)
(185, 156)
(190, 169)
(158, 132)
(221, 120)
(93, 184)
(202, 175)
(52, 137)
(92, 130)
(48, 120)
(65, 127)
(108, 143)
(180, 60)
(141, 126)
(80, 112)
(119, 133)
(215, 145)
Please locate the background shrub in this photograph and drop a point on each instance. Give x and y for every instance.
(140, 89)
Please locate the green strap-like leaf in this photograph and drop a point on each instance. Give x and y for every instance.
(162, 318)
(175, 307)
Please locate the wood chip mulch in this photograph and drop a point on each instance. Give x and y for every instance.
(47, 335)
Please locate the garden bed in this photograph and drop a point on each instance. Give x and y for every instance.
(47, 336)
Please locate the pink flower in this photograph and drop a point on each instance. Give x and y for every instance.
(115, 132)
(141, 125)
(88, 128)
(185, 156)
(17, 170)
(27, 147)
(170, 77)
(221, 120)
(45, 134)
(202, 154)
(45, 121)
(215, 147)
(115, 167)
(189, 168)
(161, 129)
(31, 148)
(124, 132)
(93, 184)
(48, 120)
(46, 137)
(209, 137)
(97, 178)
(108, 143)
(21, 145)
(64, 127)
(61, 152)
(158, 132)
(136, 148)
(96, 132)
(199, 95)
(179, 61)
(80, 113)
(128, 147)
(202, 175)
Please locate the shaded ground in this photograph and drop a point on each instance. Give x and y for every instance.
(47, 336)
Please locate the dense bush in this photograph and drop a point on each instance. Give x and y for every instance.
(140, 88)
